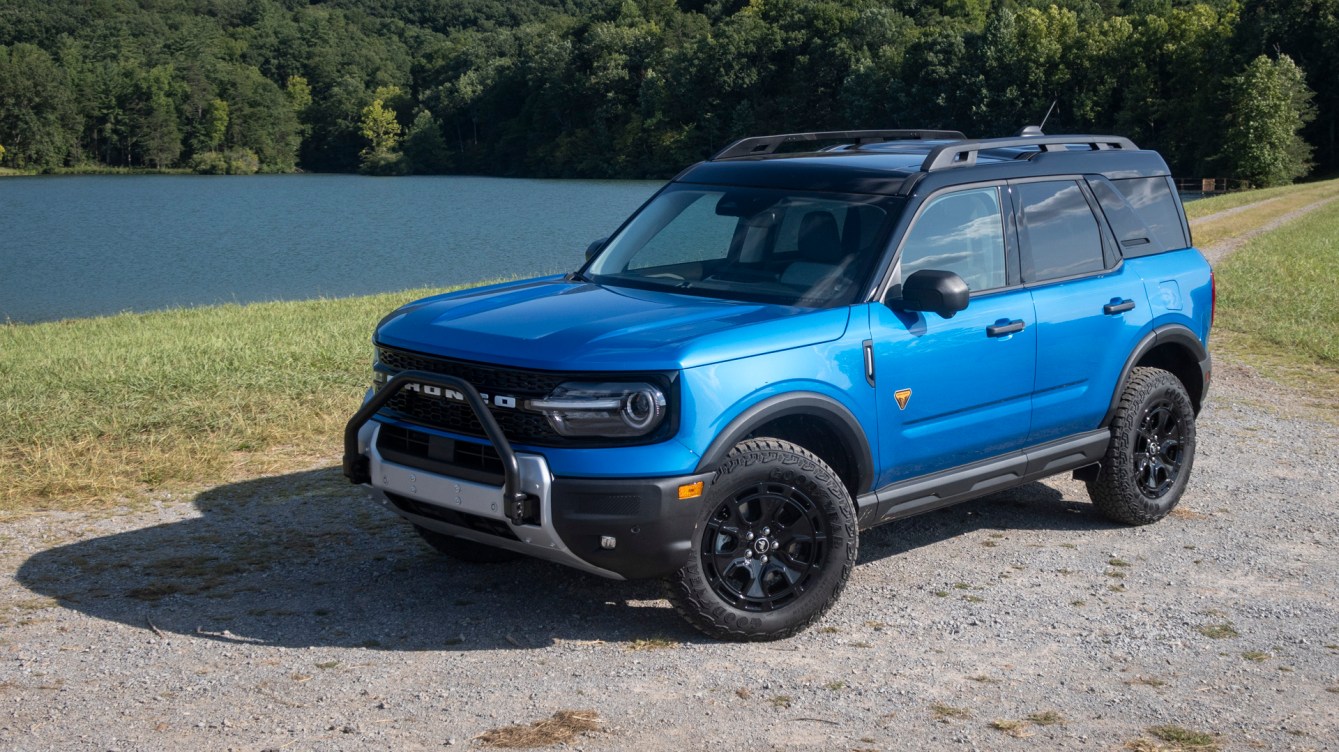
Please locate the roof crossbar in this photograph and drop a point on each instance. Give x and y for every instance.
(761, 145)
(963, 153)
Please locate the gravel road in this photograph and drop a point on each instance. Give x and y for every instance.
(290, 613)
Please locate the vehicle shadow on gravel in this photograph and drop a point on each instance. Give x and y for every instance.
(305, 560)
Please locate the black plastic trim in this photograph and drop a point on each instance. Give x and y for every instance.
(926, 493)
(651, 526)
(796, 403)
(1177, 334)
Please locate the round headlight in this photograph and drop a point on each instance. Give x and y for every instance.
(642, 408)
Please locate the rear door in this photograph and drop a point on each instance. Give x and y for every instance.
(1090, 307)
(954, 390)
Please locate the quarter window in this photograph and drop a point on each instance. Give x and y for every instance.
(1059, 232)
(960, 232)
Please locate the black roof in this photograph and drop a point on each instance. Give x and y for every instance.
(886, 162)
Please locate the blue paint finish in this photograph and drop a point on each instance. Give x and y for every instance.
(1183, 270)
(971, 394)
(555, 325)
(1081, 350)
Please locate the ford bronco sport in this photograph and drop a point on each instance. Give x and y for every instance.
(788, 344)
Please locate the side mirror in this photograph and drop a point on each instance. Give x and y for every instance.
(595, 247)
(935, 290)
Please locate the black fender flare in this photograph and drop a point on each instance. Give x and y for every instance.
(1175, 334)
(811, 404)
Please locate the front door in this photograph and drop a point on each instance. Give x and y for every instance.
(954, 390)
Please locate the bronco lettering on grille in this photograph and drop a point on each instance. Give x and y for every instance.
(428, 390)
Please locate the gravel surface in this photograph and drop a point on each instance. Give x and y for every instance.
(290, 613)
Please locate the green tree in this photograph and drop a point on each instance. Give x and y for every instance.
(424, 147)
(380, 127)
(38, 122)
(1268, 105)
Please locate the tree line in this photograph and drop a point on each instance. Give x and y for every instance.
(639, 88)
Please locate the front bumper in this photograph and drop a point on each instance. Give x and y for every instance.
(621, 528)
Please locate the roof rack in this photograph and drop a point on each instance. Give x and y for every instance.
(760, 145)
(963, 153)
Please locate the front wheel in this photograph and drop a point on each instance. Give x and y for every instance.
(773, 547)
(1147, 464)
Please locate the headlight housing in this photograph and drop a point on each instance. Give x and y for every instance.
(613, 409)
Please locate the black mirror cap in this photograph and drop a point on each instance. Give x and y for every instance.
(595, 247)
(935, 290)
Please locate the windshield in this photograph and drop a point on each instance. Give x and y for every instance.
(778, 246)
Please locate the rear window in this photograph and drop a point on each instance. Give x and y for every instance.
(1059, 232)
(1155, 203)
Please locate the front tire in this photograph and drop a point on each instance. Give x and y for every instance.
(1147, 464)
(773, 546)
(464, 550)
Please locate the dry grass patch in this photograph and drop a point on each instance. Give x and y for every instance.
(1218, 631)
(1014, 728)
(1147, 681)
(560, 728)
(652, 643)
(1187, 514)
(1175, 739)
(945, 713)
(1046, 718)
(1256, 656)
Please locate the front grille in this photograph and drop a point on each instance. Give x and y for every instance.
(449, 415)
(517, 424)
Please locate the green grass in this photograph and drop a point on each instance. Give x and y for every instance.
(1278, 304)
(97, 412)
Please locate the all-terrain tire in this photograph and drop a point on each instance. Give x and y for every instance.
(773, 547)
(1147, 464)
(465, 550)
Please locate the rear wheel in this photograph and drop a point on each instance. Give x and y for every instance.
(1147, 464)
(465, 550)
(773, 547)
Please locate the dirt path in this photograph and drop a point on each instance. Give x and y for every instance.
(1216, 252)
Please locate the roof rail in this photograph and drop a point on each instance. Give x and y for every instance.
(963, 153)
(759, 145)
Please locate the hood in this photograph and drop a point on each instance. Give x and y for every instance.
(553, 324)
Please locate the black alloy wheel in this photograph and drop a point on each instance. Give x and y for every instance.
(762, 546)
(1159, 449)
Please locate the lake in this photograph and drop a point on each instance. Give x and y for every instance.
(86, 246)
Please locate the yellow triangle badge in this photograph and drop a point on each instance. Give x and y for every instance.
(903, 396)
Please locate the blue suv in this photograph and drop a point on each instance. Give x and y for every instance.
(805, 336)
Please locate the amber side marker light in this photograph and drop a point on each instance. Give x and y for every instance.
(690, 490)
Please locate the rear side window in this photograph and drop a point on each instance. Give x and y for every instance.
(1155, 203)
(1059, 232)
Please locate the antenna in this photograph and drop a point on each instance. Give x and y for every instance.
(1048, 114)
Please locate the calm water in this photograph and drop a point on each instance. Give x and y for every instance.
(84, 246)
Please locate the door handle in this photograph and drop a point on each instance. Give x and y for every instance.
(1115, 307)
(999, 330)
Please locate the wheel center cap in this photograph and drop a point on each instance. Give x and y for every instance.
(762, 545)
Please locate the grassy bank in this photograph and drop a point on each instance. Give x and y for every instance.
(1211, 224)
(97, 411)
(1278, 304)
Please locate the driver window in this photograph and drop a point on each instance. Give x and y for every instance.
(960, 232)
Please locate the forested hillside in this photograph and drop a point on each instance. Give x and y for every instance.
(639, 88)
